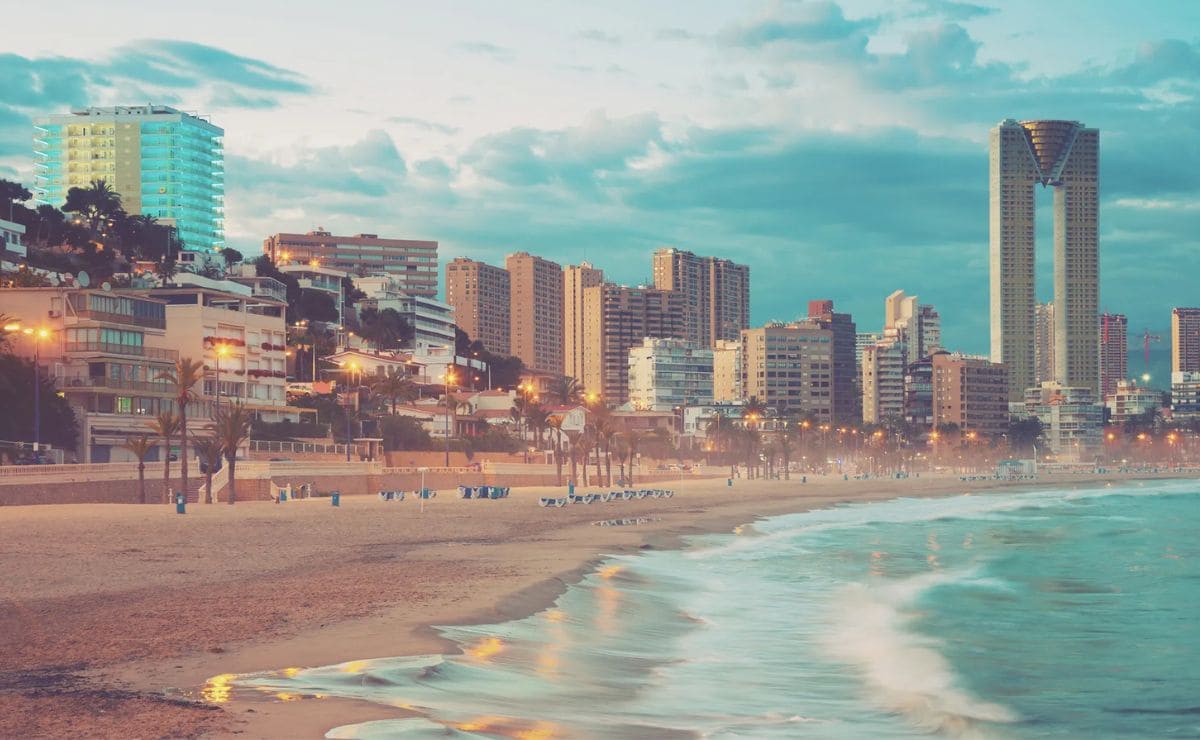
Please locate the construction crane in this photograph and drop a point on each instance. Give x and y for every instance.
(1147, 338)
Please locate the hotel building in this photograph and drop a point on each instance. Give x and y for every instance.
(617, 318)
(576, 278)
(480, 296)
(412, 262)
(665, 374)
(716, 293)
(1185, 340)
(727, 371)
(883, 372)
(1062, 155)
(970, 392)
(536, 311)
(789, 367)
(164, 163)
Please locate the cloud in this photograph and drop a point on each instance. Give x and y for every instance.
(804, 30)
(599, 36)
(952, 10)
(423, 124)
(183, 62)
(675, 34)
(484, 48)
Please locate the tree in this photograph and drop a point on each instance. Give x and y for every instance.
(536, 417)
(1024, 435)
(396, 386)
(96, 204)
(385, 329)
(786, 443)
(186, 373)
(12, 193)
(404, 433)
(555, 424)
(17, 378)
(166, 426)
(232, 427)
(231, 256)
(140, 447)
(208, 452)
(316, 305)
(566, 389)
(574, 437)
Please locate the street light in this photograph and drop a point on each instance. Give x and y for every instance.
(351, 368)
(449, 378)
(220, 350)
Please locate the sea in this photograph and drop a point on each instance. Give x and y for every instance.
(1051, 613)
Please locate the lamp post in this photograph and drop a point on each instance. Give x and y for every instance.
(449, 378)
(219, 350)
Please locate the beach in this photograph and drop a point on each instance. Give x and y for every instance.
(117, 618)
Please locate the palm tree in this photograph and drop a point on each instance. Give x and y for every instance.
(786, 442)
(396, 386)
(536, 417)
(574, 437)
(166, 425)
(187, 373)
(140, 447)
(566, 389)
(95, 204)
(753, 410)
(607, 432)
(621, 448)
(232, 428)
(208, 452)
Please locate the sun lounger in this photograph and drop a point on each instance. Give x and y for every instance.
(465, 491)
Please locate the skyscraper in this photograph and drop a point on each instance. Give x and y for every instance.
(575, 279)
(788, 367)
(1043, 343)
(1185, 340)
(536, 315)
(715, 292)
(1063, 155)
(917, 325)
(163, 163)
(1114, 352)
(479, 294)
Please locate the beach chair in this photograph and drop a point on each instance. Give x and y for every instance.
(465, 491)
(546, 501)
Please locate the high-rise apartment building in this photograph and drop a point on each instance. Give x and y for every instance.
(1185, 340)
(1114, 352)
(883, 367)
(918, 394)
(665, 374)
(413, 263)
(918, 326)
(716, 293)
(864, 339)
(1072, 421)
(536, 313)
(480, 295)
(847, 394)
(727, 371)
(1185, 395)
(164, 163)
(617, 318)
(1043, 342)
(970, 392)
(789, 367)
(576, 278)
(1063, 155)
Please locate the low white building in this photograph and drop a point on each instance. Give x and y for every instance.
(665, 374)
(432, 320)
(11, 239)
(324, 279)
(1130, 400)
(1072, 420)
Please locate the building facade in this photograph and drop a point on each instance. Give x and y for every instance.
(322, 279)
(1185, 340)
(1129, 399)
(536, 311)
(413, 263)
(1114, 352)
(163, 162)
(576, 278)
(666, 374)
(480, 296)
(1072, 420)
(617, 318)
(847, 379)
(789, 367)
(432, 321)
(1043, 342)
(883, 367)
(918, 395)
(1185, 395)
(970, 392)
(727, 371)
(1063, 155)
(716, 293)
(919, 326)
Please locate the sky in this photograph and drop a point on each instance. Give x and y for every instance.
(839, 149)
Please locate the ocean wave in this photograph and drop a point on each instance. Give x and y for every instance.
(905, 673)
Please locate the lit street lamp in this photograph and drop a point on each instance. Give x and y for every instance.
(449, 378)
(351, 369)
(37, 335)
(219, 350)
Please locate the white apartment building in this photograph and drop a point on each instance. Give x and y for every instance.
(883, 369)
(1130, 400)
(1072, 420)
(668, 373)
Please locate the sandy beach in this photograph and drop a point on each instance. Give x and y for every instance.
(117, 618)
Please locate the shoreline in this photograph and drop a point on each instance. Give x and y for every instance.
(514, 565)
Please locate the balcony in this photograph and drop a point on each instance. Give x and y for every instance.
(74, 382)
(110, 348)
(119, 318)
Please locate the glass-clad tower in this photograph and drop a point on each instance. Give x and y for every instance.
(163, 162)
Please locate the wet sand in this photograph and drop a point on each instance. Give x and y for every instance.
(115, 619)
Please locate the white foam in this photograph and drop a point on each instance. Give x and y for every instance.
(904, 672)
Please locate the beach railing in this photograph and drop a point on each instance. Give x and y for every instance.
(79, 473)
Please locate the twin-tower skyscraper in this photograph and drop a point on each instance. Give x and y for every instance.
(1063, 155)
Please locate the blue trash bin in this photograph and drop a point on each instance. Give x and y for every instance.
(729, 481)
(282, 496)
(335, 498)
(180, 503)
(570, 488)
